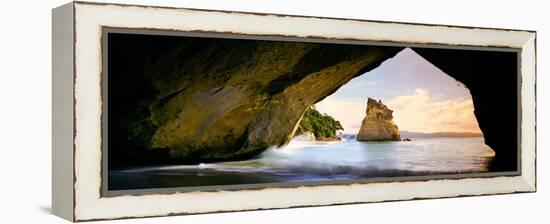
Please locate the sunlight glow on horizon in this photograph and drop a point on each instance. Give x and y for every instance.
(423, 98)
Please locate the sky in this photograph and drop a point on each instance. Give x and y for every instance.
(423, 98)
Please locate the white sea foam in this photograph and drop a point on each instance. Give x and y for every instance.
(359, 158)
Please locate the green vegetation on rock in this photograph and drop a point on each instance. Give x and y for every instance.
(190, 100)
(321, 125)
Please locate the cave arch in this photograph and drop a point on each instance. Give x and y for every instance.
(205, 99)
(492, 78)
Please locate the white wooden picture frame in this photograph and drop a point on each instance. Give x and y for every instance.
(77, 110)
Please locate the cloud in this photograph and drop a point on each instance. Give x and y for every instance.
(421, 112)
(418, 111)
(350, 113)
(371, 83)
(361, 84)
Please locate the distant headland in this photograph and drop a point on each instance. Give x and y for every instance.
(410, 134)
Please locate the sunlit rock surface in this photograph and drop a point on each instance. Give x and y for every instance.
(378, 123)
(305, 137)
(253, 94)
(223, 99)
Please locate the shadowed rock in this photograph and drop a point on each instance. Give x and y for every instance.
(492, 78)
(176, 99)
(222, 99)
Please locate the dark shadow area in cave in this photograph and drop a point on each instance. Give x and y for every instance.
(150, 75)
(492, 78)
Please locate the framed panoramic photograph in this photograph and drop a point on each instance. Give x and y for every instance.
(161, 111)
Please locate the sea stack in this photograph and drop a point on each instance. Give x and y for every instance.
(378, 123)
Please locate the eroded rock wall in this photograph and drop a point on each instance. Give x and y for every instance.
(492, 78)
(188, 99)
(216, 99)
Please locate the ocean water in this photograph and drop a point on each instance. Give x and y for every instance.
(301, 161)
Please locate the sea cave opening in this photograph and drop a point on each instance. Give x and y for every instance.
(406, 98)
(177, 100)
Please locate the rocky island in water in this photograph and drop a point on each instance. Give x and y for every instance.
(194, 111)
(378, 123)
